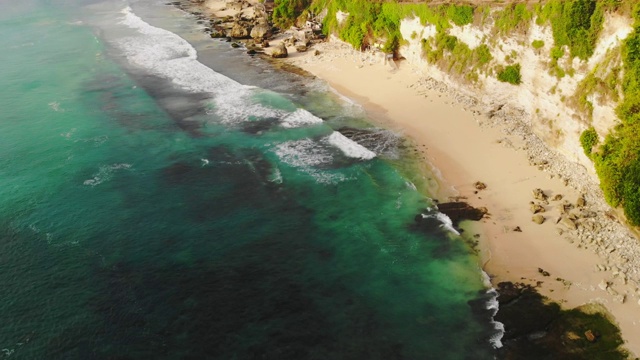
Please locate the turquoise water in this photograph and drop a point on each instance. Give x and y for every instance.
(151, 207)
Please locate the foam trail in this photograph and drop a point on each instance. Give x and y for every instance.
(492, 304)
(349, 147)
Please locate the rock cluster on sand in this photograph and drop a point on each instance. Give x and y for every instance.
(589, 222)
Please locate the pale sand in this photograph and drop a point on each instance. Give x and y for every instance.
(465, 152)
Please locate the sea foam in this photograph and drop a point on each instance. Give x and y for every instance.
(494, 306)
(167, 55)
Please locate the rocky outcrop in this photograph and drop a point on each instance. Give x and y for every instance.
(458, 211)
(239, 31)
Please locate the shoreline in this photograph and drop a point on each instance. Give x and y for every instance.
(473, 147)
(480, 142)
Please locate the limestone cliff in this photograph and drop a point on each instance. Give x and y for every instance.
(549, 102)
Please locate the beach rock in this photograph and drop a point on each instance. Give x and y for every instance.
(538, 194)
(301, 48)
(261, 32)
(458, 211)
(517, 229)
(280, 51)
(569, 223)
(536, 208)
(251, 52)
(316, 53)
(581, 202)
(603, 285)
(538, 219)
(557, 197)
(479, 185)
(239, 31)
(216, 34)
(235, 45)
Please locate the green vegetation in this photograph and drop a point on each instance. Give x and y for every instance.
(537, 44)
(510, 74)
(589, 139)
(617, 161)
(512, 17)
(575, 23)
(285, 12)
(460, 15)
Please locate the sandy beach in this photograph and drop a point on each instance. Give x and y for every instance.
(464, 146)
(464, 142)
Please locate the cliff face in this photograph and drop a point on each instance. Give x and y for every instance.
(557, 108)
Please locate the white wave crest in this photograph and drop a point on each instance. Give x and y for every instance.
(494, 306)
(307, 155)
(445, 221)
(300, 117)
(349, 147)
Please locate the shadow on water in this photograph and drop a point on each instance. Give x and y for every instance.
(536, 328)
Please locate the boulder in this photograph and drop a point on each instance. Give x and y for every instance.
(239, 31)
(581, 202)
(217, 34)
(280, 51)
(603, 285)
(557, 197)
(569, 223)
(261, 32)
(301, 48)
(538, 194)
(538, 219)
(316, 53)
(536, 208)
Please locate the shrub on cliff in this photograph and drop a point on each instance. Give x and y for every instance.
(588, 139)
(510, 74)
(618, 160)
(285, 12)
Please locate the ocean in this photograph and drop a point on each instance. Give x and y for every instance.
(165, 196)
